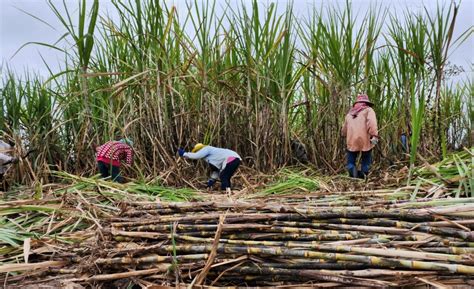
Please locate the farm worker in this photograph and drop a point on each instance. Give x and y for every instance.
(223, 163)
(5, 158)
(360, 130)
(110, 155)
(404, 141)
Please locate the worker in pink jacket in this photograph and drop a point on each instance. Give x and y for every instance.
(110, 155)
(360, 130)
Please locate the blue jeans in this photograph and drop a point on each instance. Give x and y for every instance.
(366, 160)
(107, 170)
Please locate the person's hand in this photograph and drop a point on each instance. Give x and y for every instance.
(374, 140)
(181, 152)
(211, 183)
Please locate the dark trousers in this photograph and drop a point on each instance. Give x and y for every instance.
(3, 184)
(107, 170)
(366, 160)
(228, 172)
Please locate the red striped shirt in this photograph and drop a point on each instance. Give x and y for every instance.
(113, 152)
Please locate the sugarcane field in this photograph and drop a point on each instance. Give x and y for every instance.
(149, 144)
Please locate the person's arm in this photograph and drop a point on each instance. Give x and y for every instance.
(372, 124)
(129, 157)
(98, 149)
(5, 159)
(202, 153)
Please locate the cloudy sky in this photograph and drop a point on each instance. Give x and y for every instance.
(18, 28)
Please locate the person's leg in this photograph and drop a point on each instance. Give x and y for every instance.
(115, 172)
(351, 163)
(2, 184)
(227, 173)
(103, 169)
(366, 162)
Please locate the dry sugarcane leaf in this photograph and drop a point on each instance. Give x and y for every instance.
(26, 249)
(30, 266)
(433, 283)
(159, 268)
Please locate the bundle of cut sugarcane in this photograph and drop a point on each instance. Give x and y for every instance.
(386, 237)
(266, 244)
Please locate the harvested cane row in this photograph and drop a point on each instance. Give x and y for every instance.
(304, 231)
(237, 243)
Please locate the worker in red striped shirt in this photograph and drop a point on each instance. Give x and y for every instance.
(110, 155)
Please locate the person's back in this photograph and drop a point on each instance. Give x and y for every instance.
(218, 157)
(360, 129)
(110, 155)
(113, 152)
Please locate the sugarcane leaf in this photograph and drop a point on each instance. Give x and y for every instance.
(26, 249)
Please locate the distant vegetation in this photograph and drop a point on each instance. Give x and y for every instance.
(250, 79)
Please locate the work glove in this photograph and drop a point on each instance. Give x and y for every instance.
(211, 183)
(181, 152)
(374, 140)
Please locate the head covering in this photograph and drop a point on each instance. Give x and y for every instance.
(362, 102)
(126, 141)
(364, 98)
(197, 147)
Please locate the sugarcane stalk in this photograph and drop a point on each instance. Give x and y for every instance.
(451, 250)
(159, 268)
(300, 214)
(370, 260)
(321, 264)
(201, 227)
(296, 237)
(422, 227)
(128, 260)
(342, 248)
(469, 223)
(315, 274)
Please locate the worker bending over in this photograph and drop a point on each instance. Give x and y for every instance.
(223, 163)
(110, 155)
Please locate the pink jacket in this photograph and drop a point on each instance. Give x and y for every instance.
(113, 152)
(359, 130)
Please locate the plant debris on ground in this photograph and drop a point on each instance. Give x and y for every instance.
(297, 230)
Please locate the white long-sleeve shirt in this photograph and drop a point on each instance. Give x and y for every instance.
(217, 157)
(4, 157)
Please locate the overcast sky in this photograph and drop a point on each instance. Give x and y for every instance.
(18, 28)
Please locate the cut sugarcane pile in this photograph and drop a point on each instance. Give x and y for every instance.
(301, 230)
(382, 244)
